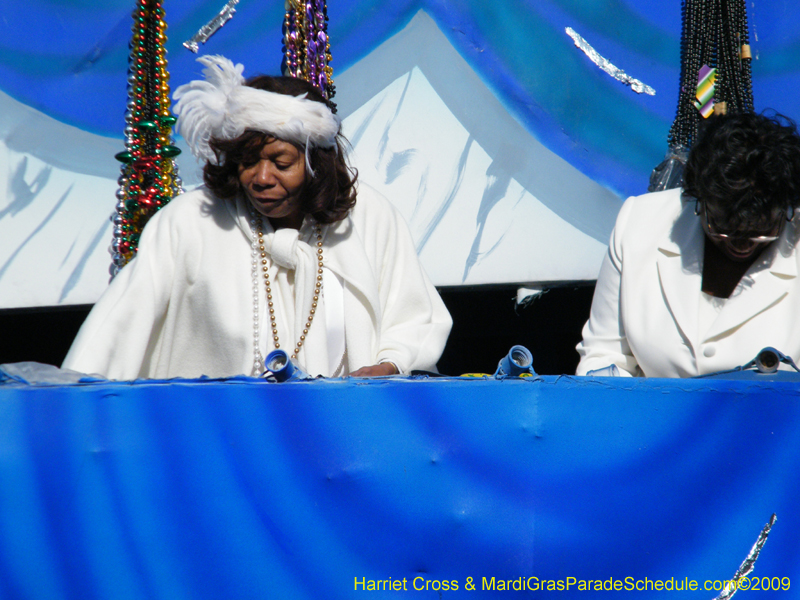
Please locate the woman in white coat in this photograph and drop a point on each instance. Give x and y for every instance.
(280, 248)
(700, 280)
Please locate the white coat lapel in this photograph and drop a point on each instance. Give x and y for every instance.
(680, 267)
(766, 283)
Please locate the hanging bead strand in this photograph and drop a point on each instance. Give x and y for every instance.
(306, 45)
(713, 33)
(149, 176)
(291, 34)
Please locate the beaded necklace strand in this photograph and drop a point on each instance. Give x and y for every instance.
(715, 34)
(259, 257)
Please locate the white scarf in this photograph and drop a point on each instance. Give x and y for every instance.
(293, 272)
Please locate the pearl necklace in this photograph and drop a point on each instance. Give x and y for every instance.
(258, 253)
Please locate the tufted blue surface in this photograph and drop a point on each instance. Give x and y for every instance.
(244, 489)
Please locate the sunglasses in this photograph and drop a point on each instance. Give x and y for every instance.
(714, 234)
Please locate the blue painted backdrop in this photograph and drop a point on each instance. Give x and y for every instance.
(505, 148)
(69, 59)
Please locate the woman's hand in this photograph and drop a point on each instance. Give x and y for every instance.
(379, 370)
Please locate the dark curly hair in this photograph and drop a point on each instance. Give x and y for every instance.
(746, 165)
(327, 196)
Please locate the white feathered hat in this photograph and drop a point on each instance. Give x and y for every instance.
(223, 107)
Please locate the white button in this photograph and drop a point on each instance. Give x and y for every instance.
(709, 351)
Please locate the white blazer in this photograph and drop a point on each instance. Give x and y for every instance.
(646, 307)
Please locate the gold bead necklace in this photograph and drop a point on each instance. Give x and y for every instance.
(270, 305)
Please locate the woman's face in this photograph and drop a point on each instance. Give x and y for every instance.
(273, 184)
(741, 241)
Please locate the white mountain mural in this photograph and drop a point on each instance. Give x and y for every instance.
(486, 202)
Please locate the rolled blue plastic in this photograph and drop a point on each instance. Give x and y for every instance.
(282, 368)
(768, 360)
(611, 370)
(517, 362)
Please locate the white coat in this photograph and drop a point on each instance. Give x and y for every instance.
(184, 306)
(646, 306)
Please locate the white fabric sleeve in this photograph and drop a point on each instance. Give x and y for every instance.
(119, 337)
(604, 341)
(415, 323)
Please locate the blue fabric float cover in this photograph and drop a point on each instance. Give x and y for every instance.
(324, 489)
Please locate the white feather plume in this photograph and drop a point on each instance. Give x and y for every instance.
(222, 107)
